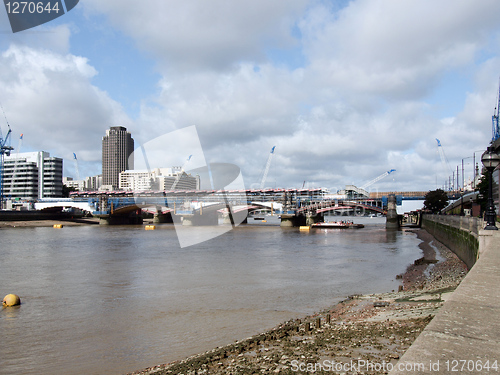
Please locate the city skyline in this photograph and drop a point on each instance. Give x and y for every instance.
(344, 90)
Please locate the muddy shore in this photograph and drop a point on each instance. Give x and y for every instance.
(48, 223)
(362, 334)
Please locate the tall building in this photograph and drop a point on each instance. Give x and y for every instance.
(117, 146)
(32, 175)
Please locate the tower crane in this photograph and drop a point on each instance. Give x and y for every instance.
(5, 149)
(77, 169)
(266, 170)
(494, 120)
(16, 159)
(370, 183)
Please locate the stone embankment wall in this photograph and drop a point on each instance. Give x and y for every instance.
(458, 233)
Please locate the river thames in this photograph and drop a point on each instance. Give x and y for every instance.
(116, 299)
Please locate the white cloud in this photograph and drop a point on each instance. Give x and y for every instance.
(203, 34)
(395, 48)
(49, 98)
(357, 105)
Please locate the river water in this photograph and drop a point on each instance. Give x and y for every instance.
(116, 299)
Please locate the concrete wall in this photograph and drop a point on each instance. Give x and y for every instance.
(466, 329)
(458, 233)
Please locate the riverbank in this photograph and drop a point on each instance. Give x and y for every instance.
(364, 333)
(48, 223)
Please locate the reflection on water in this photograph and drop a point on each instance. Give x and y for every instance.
(111, 300)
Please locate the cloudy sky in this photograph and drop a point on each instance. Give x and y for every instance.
(345, 90)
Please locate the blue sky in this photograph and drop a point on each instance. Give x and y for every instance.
(345, 90)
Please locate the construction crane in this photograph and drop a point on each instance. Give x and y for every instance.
(444, 159)
(16, 160)
(5, 149)
(494, 120)
(77, 169)
(266, 170)
(370, 183)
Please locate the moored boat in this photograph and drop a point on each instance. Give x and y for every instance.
(264, 217)
(337, 224)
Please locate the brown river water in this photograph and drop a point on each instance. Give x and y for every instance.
(116, 299)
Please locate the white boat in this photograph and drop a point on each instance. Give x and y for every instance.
(263, 217)
(337, 224)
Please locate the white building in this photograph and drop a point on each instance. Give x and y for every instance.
(89, 184)
(32, 175)
(93, 183)
(158, 179)
(78, 185)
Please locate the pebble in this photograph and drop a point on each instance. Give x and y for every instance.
(356, 330)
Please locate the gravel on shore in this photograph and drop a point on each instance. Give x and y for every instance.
(363, 334)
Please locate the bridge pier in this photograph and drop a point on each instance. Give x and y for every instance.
(392, 221)
(132, 219)
(312, 219)
(227, 218)
(159, 218)
(290, 220)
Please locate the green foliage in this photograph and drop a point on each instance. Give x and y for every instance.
(66, 190)
(435, 201)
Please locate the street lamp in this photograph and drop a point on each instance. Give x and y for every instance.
(490, 161)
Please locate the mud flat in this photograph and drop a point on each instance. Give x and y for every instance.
(362, 334)
(48, 223)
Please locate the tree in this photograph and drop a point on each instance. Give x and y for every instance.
(66, 190)
(482, 188)
(435, 201)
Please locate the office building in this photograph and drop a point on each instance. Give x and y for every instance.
(158, 179)
(117, 146)
(77, 185)
(92, 183)
(32, 176)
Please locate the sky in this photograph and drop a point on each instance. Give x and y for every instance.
(345, 90)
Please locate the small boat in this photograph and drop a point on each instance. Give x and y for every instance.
(337, 224)
(264, 217)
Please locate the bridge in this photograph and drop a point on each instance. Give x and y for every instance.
(49, 203)
(295, 205)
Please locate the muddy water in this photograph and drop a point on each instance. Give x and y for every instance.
(112, 300)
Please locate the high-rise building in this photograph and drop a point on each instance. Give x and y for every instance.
(32, 175)
(117, 146)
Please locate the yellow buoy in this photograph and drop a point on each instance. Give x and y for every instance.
(150, 227)
(58, 225)
(304, 227)
(11, 300)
